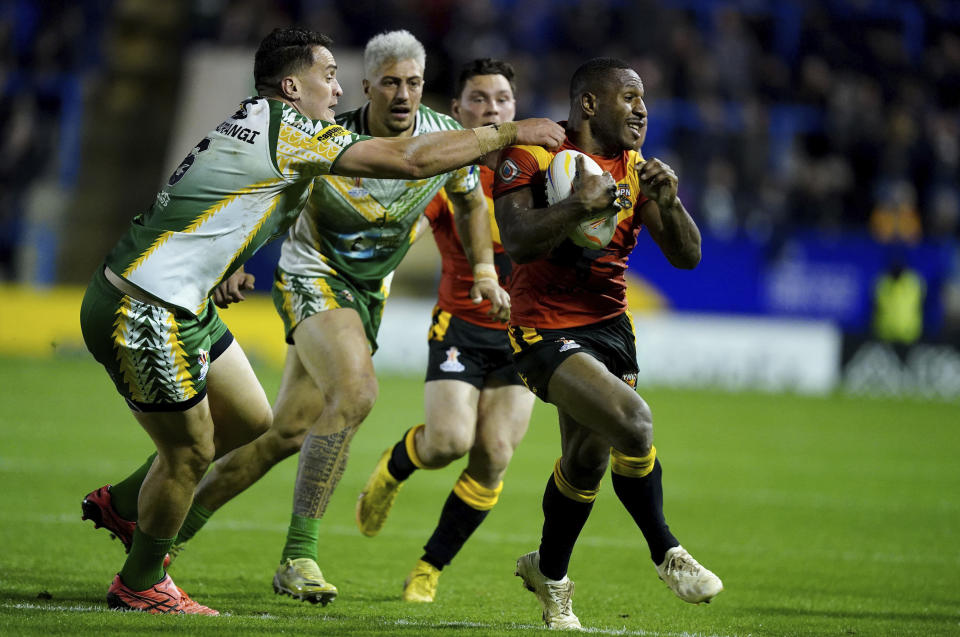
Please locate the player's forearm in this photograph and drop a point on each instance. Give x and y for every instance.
(473, 225)
(532, 233)
(680, 237)
(441, 152)
(421, 156)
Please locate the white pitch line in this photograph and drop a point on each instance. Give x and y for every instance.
(594, 631)
(87, 608)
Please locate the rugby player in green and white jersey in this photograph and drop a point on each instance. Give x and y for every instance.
(329, 289)
(148, 317)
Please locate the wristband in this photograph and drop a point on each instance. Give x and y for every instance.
(485, 271)
(495, 136)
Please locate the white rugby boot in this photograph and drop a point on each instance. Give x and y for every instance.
(690, 581)
(555, 596)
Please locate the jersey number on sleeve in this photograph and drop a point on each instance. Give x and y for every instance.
(188, 161)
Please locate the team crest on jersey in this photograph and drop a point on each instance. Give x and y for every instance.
(347, 295)
(568, 344)
(508, 171)
(623, 196)
(163, 198)
(452, 364)
(630, 379)
(203, 357)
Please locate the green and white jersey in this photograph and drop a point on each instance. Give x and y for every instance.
(241, 186)
(362, 228)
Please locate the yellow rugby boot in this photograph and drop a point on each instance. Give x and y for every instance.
(301, 579)
(421, 583)
(377, 498)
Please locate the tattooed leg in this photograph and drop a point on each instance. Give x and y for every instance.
(323, 460)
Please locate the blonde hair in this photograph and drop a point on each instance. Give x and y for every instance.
(392, 46)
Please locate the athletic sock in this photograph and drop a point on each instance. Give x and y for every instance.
(197, 516)
(125, 494)
(144, 565)
(465, 509)
(303, 535)
(403, 458)
(565, 511)
(638, 482)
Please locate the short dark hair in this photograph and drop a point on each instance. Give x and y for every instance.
(286, 50)
(592, 74)
(485, 66)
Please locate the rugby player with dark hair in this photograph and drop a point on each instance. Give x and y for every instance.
(474, 402)
(573, 337)
(148, 315)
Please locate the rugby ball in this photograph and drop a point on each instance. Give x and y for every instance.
(593, 233)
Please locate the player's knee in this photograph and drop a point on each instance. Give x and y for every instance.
(256, 427)
(638, 430)
(496, 453)
(193, 460)
(355, 400)
(452, 445)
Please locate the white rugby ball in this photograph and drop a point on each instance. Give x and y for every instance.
(593, 233)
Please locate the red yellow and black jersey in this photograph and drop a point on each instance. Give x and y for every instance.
(571, 286)
(456, 274)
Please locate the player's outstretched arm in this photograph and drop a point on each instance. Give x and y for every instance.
(669, 223)
(434, 153)
(528, 233)
(472, 218)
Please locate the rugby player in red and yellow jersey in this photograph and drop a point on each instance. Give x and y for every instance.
(571, 333)
(474, 400)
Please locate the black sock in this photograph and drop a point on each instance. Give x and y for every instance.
(563, 519)
(643, 499)
(458, 521)
(400, 465)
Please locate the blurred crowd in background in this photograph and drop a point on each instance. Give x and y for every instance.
(780, 116)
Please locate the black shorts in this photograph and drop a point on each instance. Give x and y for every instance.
(460, 350)
(538, 352)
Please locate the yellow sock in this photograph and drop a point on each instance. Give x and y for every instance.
(475, 494)
(631, 466)
(570, 491)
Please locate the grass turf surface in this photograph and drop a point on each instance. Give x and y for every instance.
(823, 516)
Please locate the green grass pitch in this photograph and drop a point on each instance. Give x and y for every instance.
(823, 516)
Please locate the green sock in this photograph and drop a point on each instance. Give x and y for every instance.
(197, 516)
(125, 494)
(303, 535)
(144, 565)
